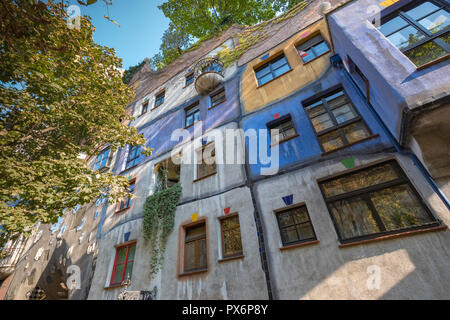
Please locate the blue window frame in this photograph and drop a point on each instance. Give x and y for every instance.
(192, 114)
(272, 69)
(102, 159)
(133, 156)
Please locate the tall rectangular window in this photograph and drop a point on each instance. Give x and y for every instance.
(126, 203)
(144, 108)
(313, 48)
(189, 79)
(218, 97)
(159, 99)
(421, 30)
(295, 225)
(195, 255)
(192, 115)
(102, 159)
(231, 236)
(335, 121)
(123, 263)
(133, 156)
(285, 127)
(272, 69)
(206, 161)
(374, 201)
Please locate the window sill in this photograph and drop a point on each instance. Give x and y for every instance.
(190, 273)
(231, 258)
(431, 63)
(128, 169)
(351, 144)
(122, 210)
(191, 125)
(156, 107)
(287, 139)
(262, 85)
(298, 245)
(204, 177)
(393, 236)
(114, 286)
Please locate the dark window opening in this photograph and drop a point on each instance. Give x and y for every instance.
(295, 226)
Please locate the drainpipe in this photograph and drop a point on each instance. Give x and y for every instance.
(336, 61)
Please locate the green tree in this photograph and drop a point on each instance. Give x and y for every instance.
(61, 96)
(129, 73)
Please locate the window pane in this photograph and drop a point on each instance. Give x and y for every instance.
(300, 215)
(202, 253)
(281, 70)
(189, 120)
(392, 25)
(131, 252)
(322, 122)
(309, 55)
(358, 180)
(337, 99)
(197, 116)
(122, 254)
(289, 234)
(118, 274)
(344, 113)
(315, 109)
(262, 72)
(406, 37)
(230, 223)
(331, 141)
(355, 132)
(285, 219)
(195, 231)
(437, 21)
(189, 255)
(422, 10)
(265, 79)
(305, 231)
(232, 241)
(425, 53)
(278, 63)
(399, 207)
(353, 218)
(321, 48)
(128, 270)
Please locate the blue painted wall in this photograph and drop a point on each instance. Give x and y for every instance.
(305, 148)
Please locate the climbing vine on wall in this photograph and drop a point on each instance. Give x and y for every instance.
(250, 36)
(159, 218)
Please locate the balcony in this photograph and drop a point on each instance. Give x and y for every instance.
(208, 75)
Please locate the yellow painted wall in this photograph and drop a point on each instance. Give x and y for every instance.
(254, 97)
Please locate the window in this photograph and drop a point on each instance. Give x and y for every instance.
(189, 79)
(295, 225)
(420, 30)
(272, 69)
(373, 201)
(218, 97)
(159, 100)
(123, 263)
(126, 203)
(360, 78)
(144, 108)
(206, 161)
(286, 129)
(313, 48)
(102, 159)
(335, 121)
(192, 114)
(231, 236)
(195, 248)
(133, 156)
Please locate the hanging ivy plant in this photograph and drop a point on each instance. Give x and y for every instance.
(159, 218)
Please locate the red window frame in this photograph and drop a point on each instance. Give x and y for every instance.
(125, 263)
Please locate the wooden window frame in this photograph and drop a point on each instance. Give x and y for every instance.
(186, 227)
(198, 164)
(276, 123)
(217, 92)
(128, 199)
(159, 94)
(428, 36)
(337, 126)
(269, 63)
(303, 43)
(296, 242)
(113, 273)
(235, 255)
(363, 192)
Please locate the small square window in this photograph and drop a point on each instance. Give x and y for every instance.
(286, 130)
(192, 114)
(313, 48)
(159, 99)
(295, 226)
(217, 97)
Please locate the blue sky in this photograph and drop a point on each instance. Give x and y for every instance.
(142, 25)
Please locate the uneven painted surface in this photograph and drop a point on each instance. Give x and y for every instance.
(254, 97)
